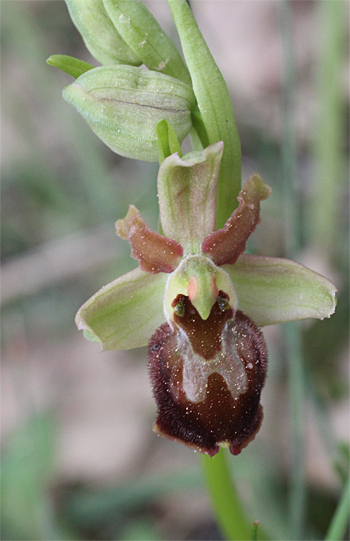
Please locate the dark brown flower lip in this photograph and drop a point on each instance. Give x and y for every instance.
(222, 417)
(235, 447)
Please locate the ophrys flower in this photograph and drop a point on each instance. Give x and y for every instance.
(198, 301)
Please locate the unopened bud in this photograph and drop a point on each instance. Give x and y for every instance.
(123, 105)
(99, 33)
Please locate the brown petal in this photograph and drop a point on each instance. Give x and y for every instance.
(154, 252)
(217, 401)
(226, 245)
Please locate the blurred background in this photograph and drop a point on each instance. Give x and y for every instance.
(79, 458)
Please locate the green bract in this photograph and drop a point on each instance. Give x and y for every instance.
(123, 105)
(99, 33)
(128, 311)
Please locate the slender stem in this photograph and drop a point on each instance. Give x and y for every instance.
(296, 380)
(340, 518)
(214, 106)
(226, 502)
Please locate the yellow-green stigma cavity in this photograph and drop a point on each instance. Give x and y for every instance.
(179, 308)
(223, 303)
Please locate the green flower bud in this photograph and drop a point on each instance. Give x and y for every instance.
(123, 105)
(99, 33)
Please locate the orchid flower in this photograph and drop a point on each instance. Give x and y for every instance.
(198, 301)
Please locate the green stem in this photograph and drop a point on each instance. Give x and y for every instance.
(226, 502)
(340, 518)
(296, 379)
(214, 105)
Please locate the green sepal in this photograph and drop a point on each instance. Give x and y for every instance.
(187, 196)
(99, 33)
(123, 105)
(69, 64)
(146, 38)
(125, 313)
(167, 141)
(272, 290)
(214, 104)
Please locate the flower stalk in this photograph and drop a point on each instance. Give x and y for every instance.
(226, 502)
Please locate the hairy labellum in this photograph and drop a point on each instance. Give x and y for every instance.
(207, 377)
